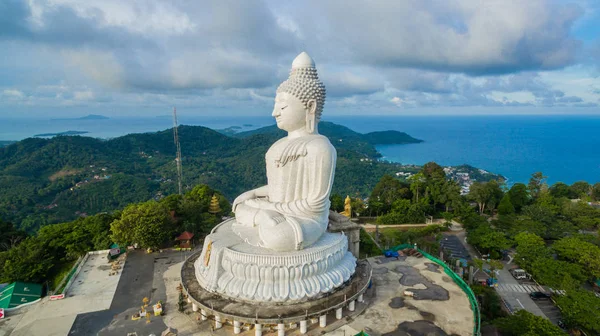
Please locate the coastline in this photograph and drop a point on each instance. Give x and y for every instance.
(560, 146)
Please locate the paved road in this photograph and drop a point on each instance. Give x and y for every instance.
(452, 244)
(546, 306)
(519, 288)
(462, 236)
(550, 310)
(515, 300)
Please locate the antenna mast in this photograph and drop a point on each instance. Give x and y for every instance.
(178, 159)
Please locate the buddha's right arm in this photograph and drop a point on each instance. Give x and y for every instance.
(262, 191)
(250, 194)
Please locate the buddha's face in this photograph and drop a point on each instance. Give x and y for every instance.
(289, 112)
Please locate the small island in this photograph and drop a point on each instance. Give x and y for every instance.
(87, 117)
(44, 135)
(230, 130)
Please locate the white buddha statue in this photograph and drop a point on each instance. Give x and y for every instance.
(277, 248)
(291, 211)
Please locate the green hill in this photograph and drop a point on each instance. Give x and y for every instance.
(344, 138)
(56, 180)
(390, 138)
(6, 143)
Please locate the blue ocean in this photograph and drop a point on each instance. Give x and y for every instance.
(565, 148)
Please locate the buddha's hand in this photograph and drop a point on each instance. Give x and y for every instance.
(248, 195)
(260, 203)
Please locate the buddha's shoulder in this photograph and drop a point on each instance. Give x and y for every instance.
(318, 141)
(311, 143)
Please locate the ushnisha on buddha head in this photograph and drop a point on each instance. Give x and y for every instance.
(300, 99)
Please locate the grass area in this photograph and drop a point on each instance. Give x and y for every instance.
(59, 272)
(427, 238)
(367, 247)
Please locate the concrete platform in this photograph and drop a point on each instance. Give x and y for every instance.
(439, 306)
(190, 323)
(92, 290)
(269, 312)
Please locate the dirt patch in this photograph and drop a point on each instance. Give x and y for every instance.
(453, 316)
(104, 267)
(433, 267)
(417, 328)
(412, 277)
(384, 260)
(63, 173)
(428, 316)
(380, 270)
(397, 302)
(432, 293)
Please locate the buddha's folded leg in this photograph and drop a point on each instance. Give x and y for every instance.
(245, 214)
(276, 232)
(287, 233)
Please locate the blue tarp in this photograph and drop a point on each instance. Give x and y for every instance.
(391, 254)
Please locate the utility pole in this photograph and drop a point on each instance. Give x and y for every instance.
(178, 159)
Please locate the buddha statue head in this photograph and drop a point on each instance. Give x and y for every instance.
(300, 99)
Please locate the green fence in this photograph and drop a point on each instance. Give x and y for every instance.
(60, 289)
(458, 280)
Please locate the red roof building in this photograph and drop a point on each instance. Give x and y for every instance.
(185, 239)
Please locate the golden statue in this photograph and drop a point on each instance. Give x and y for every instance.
(347, 207)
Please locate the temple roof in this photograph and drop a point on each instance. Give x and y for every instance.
(185, 236)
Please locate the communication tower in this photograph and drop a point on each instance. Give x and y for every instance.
(178, 146)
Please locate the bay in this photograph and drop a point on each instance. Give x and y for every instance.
(565, 148)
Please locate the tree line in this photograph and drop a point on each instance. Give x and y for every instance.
(152, 224)
(554, 232)
(48, 181)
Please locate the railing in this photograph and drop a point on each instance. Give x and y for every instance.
(67, 277)
(62, 288)
(458, 280)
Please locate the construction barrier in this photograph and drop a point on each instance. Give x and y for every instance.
(458, 280)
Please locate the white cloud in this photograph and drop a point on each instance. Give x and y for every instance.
(218, 68)
(469, 36)
(396, 100)
(226, 53)
(101, 67)
(13, 94)
(83, 95)
(147, 17)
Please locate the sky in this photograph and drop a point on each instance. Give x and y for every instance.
(142, 57)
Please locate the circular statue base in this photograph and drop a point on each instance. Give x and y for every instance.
(232, 310)
(231, 267)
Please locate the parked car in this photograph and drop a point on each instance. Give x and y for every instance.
(539, 296)
(519, 273)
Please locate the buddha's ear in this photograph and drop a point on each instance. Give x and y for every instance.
(311, 116)
(312, 106)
